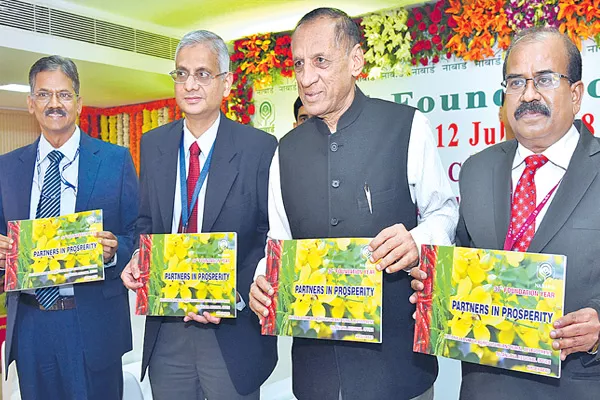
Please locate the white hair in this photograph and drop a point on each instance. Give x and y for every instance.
(214, 41)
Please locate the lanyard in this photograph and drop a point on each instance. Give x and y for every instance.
(65, 182)
(186, 211)
(510, 240)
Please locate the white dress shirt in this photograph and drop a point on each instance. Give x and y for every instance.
(69, 172)
(550, 174)
(205, 142)
(428, 184)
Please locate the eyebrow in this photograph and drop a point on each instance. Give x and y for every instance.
(536, 73)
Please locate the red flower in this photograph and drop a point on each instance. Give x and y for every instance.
(410, 23)
(414, 61)
(245, 119)
(436, 15)
(250, 93)
(427, 45)
(413, 35)
(422, 26)
(435, 59)
(448, 55)
(251, 109)
(418, 15)
(451, 22)
(436, 39)
(424, 61)
(433, 29)
(439, 47)
(443, 28)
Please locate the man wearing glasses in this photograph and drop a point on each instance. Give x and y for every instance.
(67, 342)
(200, 356)
(539, 193)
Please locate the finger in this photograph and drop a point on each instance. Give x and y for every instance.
(195, 317)
(105, 235)
(129, 281)
(583, 342)
(210, 318)
(109, 243)
(418, 274)
(570, 319)
(382, 237)
(571, 331)
(259, 309)
(405, 261)
(134, 267)
(264, 285)
(417, 285)
(413, 299)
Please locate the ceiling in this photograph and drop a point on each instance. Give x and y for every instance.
(106, 84)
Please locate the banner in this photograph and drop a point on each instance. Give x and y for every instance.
(193, 272)
(491, 307)
(324, 289)
(461, 100)
(54, 251)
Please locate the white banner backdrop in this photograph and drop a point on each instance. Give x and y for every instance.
(460, 99)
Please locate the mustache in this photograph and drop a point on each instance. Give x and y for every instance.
(58, 111)
(534, 106)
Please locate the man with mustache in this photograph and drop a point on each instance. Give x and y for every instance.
(539, 193)
(201, 356)
(68, 341)
(359, 167)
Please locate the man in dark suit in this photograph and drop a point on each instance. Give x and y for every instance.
(200, 356)
(542, 77)
(71, 346)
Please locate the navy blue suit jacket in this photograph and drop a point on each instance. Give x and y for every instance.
(236, 201)
(107, 181)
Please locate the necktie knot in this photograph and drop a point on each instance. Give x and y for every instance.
(194, 150)
(55, 156)
(534, 162)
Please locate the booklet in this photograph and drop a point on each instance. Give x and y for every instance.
(188, 272)
(491, 307)
(324, 289)
(54, 251)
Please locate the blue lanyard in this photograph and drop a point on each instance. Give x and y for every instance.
(65, 182)
(186, 211)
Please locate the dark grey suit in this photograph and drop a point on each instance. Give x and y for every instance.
(571, 227)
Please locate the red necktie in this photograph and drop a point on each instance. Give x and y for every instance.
(192, 179)
(524, 201)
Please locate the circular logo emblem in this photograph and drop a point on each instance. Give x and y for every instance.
(365, 252)
(545, 271)
(223, 244)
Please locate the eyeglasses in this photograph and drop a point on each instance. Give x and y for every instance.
(204, 78)
(545, 81)
(44, 96)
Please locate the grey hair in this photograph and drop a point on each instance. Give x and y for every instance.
(55, 63)
(574, 65)
(214, 41)
(346, 30)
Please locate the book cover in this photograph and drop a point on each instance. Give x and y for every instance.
(54, 251)
(491, 307)
(193, 272)
(324, 289)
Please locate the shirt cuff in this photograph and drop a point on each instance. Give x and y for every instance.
(240, 305)
(112, 262)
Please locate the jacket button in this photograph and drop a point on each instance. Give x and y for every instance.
(335, 183)
(334, 221)
(333, 146)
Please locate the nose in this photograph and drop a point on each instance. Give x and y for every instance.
(531, 93)
(191, 83)
(307, 76)
(53, 102)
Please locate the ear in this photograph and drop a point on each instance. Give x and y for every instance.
(577, 90)
(30, 104)
(228, 82)
(357, 60)
(79, 105)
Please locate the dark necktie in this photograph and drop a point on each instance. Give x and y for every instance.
(49, 206)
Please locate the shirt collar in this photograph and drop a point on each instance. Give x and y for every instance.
(68, 149)
(349, 116)
(559, 153)
(205, 141)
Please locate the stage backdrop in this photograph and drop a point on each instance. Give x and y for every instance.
(461, 100)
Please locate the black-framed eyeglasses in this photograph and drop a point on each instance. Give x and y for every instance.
(545, 81)
(204, 78)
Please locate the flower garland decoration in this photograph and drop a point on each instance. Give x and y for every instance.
(580, 19)
(429, 29)
(523, 14)
(120, 129)
(112, 129)
(125, 124)
(104, 128)
(147, 121)
(480, 24)
(388, 42)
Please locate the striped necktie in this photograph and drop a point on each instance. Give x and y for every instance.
(49, 206)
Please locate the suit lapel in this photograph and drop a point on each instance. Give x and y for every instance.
(89, 164)
(222, 173)
(23, 178)
(578, 178)
(502, 189)
(165, 170)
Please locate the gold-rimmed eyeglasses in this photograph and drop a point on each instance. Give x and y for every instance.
(544, 81)
(44, 96)
(204, 78)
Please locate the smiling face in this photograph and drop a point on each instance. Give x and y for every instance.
(55, 114)
(195, 100)
(539, 118)
(325, 71)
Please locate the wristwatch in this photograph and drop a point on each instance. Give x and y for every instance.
(594, 350)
